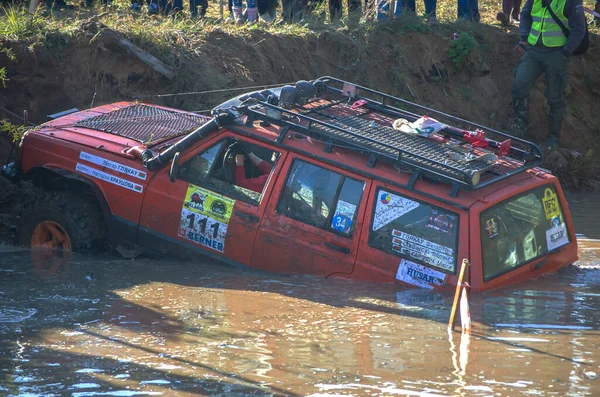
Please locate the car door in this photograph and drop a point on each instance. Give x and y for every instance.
(201, 209)
(313, 220)
(411, 240)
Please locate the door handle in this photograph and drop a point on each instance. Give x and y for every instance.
(247, 217)
(336, 247)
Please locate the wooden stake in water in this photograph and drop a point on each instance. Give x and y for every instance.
(459, 282)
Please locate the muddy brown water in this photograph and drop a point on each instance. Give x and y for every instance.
(147, 327)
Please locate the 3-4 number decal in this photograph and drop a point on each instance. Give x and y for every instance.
(202, 223)
(205, 217)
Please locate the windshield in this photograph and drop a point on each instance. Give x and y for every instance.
(521, 229)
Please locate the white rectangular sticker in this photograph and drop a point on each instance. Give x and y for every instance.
(391, 207)
(418, 275)
(204, 217)
(113, 165)
(556, 237)
(423, 250)
(109, 178)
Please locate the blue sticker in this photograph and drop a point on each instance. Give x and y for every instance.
(341, 223)
(555, 221)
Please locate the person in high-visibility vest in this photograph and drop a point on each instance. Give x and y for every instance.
(545, 49)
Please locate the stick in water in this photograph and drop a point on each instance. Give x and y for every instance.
(459, 282)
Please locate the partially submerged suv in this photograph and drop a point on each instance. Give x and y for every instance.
(325, 177)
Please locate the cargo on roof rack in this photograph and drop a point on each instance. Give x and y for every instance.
(354, 116)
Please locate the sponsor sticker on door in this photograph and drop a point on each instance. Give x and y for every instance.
(550, 202)
(113, 165)
(95, 173)
(556, 237)
(424, 250)
(419, 275)
(205, 217)
(391, 207)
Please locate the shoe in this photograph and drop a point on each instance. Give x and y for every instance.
(135, 7)
(152, 9)
(503, 18)
(252, 14)
(237, 14)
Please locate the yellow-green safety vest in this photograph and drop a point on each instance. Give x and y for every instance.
(544, 24)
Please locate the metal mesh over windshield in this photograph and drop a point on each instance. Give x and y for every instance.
(144, 123)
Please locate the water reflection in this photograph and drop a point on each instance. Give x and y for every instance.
(149, 327)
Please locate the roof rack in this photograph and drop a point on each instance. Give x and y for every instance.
(362, 119)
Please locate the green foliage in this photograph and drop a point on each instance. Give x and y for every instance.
(17, 23)
(14, 132)
(462, 48)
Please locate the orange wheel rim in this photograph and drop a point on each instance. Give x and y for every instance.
(51, 248)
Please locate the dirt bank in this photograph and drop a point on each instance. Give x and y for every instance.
(405, 58)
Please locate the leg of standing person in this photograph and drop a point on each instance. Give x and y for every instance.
(252, 10)
(237, 10)
(409, 5)
(516, 10)
(504, 15)
(335, 9)
(556, 66)
(430, 11)
(474, 10)
(193, 8)
(527, 72)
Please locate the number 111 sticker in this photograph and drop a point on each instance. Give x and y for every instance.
(205, 217)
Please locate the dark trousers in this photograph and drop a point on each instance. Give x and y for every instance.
(469, 9)
(511, 8)
(531, 66)
(335, 7)
(410, 5)
(194, 4)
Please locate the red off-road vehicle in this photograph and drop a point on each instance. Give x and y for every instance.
(351, 185)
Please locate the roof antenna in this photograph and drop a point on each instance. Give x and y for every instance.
(93, 99)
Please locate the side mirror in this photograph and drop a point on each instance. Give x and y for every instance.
(174, 171)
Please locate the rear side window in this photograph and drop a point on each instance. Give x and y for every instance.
(414, 230)
(521, 229)
(321, 198)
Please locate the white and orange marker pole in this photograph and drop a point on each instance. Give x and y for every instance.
(457, 294)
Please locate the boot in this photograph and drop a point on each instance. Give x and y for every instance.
(555, 124)
(521, 121)
(237, 14)
(252, 14)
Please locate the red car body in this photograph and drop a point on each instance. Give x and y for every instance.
(147, 209)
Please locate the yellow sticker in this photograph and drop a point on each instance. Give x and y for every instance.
(205, 217)
(550, 201)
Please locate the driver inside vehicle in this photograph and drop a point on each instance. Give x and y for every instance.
(255, 184)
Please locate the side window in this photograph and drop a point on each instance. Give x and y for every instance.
(414, 230)
(321, 198)
(196, 170)
(234, 168)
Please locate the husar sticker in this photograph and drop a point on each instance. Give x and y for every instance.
(204, 217)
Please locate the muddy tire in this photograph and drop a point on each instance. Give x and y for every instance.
(62, 220)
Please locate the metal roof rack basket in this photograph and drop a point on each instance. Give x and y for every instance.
(388, 128)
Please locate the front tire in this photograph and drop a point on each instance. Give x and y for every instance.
(57, 223)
